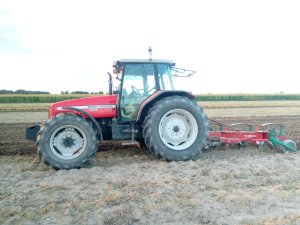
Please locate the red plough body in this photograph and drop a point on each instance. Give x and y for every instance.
(272, 134)
(233, 137)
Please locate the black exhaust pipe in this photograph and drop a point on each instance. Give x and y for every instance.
(110, 84)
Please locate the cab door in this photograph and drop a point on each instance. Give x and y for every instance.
(138, 84)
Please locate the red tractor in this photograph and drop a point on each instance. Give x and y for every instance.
(145, 108)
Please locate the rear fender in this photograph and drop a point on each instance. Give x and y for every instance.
(149, 102)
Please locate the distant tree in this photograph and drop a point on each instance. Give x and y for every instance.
(96, 93)
(41, 92)
(21, 91)
(47, 93)
(2, 92)
(64, 92)
(80, 92)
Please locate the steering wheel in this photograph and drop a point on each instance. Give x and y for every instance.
(154, 88)
(136, 91)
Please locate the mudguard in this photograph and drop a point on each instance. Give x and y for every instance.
(31, 132)
(147, 104)
(97, 126)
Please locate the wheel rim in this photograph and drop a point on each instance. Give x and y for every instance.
(68, 142)
(178, 129)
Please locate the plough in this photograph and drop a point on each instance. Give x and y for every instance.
(240, 134)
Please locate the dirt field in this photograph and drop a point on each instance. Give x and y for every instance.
(130, 186)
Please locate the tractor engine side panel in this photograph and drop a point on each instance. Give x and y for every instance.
(97, 107)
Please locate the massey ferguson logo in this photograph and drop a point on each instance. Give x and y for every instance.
(92, 108)
(250, 135)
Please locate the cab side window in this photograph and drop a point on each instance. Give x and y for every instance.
(165, 77)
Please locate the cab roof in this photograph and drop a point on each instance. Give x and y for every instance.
(154, 61)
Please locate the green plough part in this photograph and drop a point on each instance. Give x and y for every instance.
(288, 145)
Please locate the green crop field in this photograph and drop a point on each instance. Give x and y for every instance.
(247, 97)
(38, 98)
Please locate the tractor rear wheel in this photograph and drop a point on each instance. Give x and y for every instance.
(67, 141)
(175, 128)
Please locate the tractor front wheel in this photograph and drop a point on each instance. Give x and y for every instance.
(67, 141)
(175, 128)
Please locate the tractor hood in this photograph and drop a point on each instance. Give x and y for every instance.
(97, 106)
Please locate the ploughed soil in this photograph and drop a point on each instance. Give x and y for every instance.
(127, 185)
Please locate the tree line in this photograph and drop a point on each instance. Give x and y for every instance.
(21, 91)
(81, 92)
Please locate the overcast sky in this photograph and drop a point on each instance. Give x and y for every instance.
(235, 46)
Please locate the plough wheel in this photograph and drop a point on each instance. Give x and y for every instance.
(291, 144)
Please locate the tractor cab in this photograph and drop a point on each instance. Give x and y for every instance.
(140, 79)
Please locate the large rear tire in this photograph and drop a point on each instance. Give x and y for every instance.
(175, 129)
(67, 141)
